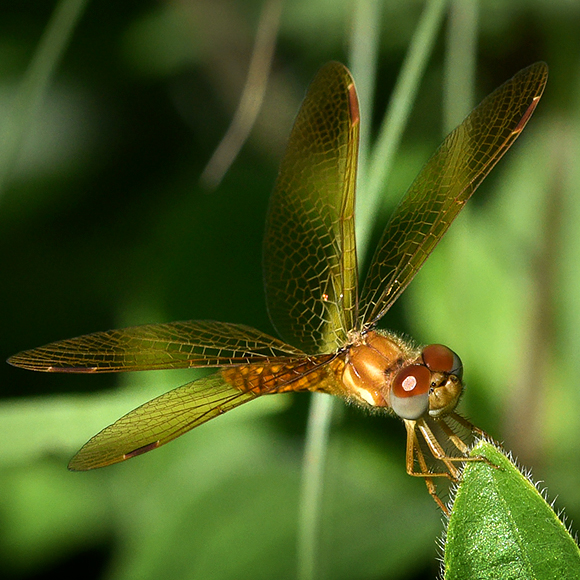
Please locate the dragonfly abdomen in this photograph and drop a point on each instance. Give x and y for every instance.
(305, 374)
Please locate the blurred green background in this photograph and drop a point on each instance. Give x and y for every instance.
(104, 223)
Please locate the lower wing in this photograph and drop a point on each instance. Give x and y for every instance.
(174, 413)
(159, 421)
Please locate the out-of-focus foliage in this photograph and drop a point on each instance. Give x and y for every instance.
(103, 223)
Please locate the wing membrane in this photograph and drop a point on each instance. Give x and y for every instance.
(174, 413)
(159, 421)
(310, 268)
(156, 346)
(445, 184)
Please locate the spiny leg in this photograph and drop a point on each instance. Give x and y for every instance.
(461, 446)
(412, 447)
(448, 460)
(469, 425)
(414, 451)
(454, 438)
(438, 451)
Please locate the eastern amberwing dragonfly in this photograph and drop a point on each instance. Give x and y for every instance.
(331, 343)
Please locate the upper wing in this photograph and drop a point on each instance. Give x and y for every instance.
(310, 269)
(156, 346)
(445, 184)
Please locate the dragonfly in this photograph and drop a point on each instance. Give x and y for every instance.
(330, 340)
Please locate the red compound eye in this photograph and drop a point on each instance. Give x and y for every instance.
(410, 392)
(441, 359)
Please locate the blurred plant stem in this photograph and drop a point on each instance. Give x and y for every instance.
(396, 117)
(373, 170)
(460, 59)
(28, 99)
(252, 96)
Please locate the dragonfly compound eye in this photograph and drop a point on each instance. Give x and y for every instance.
(410, 392)
(441, 359)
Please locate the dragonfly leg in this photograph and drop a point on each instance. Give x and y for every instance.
(456, 440)
(414, 451)
(438, 452)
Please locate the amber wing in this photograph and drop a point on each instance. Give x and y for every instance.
(445, 184)
(310, 268)
(172, 345)
(174, 413)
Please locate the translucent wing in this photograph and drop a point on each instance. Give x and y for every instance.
(445, 184)
(310, 268)
(159, 421)
(170, 415)
(156, 346)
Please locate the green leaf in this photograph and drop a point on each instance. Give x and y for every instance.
(502, 527)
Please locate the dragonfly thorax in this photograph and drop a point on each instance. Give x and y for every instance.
(371, 364)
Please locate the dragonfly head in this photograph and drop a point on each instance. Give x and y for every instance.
(431, 385)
